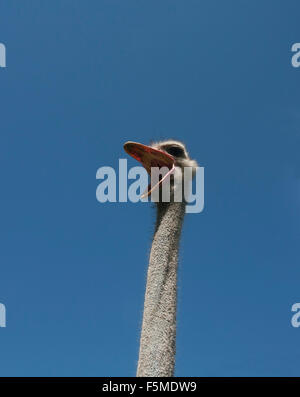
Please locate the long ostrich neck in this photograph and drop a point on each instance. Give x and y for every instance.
(158, 337)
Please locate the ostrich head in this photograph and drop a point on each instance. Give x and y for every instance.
(170, 154)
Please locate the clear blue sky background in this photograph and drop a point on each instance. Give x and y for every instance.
(83, 77)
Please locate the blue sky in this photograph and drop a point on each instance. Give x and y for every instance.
(82, 78)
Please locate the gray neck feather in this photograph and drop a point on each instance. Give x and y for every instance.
(158, 337)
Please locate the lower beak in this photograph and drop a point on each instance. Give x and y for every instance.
(150, 157)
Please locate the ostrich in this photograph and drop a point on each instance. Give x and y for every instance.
(158, 336)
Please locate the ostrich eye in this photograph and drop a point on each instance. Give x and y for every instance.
(175, 151)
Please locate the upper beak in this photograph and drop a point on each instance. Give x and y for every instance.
(150, 157)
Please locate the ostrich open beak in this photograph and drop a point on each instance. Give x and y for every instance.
(150, 157)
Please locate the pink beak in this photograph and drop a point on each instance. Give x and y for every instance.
(150, 157)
